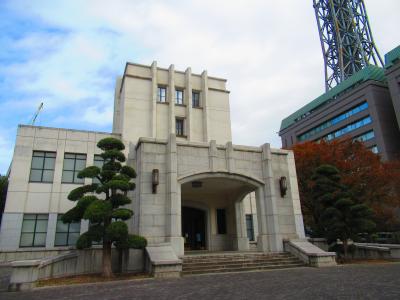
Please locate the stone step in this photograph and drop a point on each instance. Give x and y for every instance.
(238, 262)
(242, 269)
(237, 265)
(228, 258)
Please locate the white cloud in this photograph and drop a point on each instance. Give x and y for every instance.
(268, 50)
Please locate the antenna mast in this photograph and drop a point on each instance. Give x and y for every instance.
(32, 122)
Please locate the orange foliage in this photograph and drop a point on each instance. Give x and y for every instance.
(371, 181)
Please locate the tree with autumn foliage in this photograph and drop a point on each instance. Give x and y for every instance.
(107, 213)
(371, 181)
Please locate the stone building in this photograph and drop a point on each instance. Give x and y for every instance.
(209, 195)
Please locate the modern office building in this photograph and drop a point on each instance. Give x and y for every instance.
(362, 107)
(211, 194)
(392, 73)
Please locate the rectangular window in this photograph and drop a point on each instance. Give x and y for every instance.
(42, 167)
(73, 163)
(162, 94)
(339, 118)
(221, 221)
(345, 130)
(34, 230)
(365, 137)
(179, 97)
(66, 233)
(195, 99)
(179, 127)
(98, 162)
(250, 227)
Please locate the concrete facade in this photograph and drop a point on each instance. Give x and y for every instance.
(393, 77)
(199, 169)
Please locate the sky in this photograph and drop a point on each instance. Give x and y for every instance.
(68, 54)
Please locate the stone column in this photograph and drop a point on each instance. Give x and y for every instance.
(154, 99)
(241, 241)
(188, 102)
(171, 99)
(269, 240)
(213, 156)
(173, 203)
(204, 103)
(51, 230)
(230, 160)
(293, 192)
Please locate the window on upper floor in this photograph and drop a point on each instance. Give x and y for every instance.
(34, 230)
(66, 233)
(331, 122)
(42, 166)
(73, 163)
(348, 128)
(195, 99)
(179, 123)
(162, 94)
(365, 137)
(179, 96)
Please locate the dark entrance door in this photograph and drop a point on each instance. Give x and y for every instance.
(194, 228)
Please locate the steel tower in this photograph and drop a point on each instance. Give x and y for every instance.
(346, 39)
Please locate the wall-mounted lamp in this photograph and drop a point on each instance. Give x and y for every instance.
(283, 185)
(155, 179)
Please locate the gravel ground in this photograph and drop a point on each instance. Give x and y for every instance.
(367, 281)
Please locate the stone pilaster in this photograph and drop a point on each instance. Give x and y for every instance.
(230, 161)
(173, 204)
(293, 192)
(154, 86)
(51, 230)
(171, 99)
(213, 155)
(204, 103)
(272, 238)
(241, 241)
(188, 102)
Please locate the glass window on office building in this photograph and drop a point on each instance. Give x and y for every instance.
(73, 163)
(34, 230)
(66, 233)
(42, 166)
(250, 227)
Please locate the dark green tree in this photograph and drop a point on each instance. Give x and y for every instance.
(106, 213)
(340, 216)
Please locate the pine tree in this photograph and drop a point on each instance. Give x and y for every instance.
(340, 216)
(105, 213)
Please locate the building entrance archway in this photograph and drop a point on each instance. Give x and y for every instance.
(213, 216)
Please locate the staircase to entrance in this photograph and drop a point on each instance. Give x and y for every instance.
(201, 263)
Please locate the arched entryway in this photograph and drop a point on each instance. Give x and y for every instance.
(212, 211)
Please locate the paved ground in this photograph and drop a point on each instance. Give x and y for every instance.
(380, 281)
